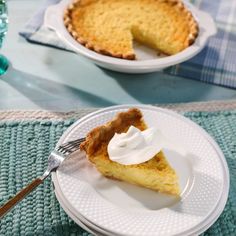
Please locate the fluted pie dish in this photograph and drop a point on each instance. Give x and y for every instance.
(147, 57)
(110, 26)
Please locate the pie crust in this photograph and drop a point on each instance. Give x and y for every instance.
(155, 174)
(165, 25)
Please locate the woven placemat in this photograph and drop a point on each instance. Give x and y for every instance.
(27, 137)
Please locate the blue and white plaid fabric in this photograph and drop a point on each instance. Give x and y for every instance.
(34, 30)
(215, 64)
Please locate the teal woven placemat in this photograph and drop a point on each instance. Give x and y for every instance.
(25, 145)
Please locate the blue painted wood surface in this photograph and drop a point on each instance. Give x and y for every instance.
(41, 77)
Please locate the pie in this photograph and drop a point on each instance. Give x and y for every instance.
(110, 26)
(155, 174)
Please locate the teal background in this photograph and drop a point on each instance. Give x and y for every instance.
(25, 146)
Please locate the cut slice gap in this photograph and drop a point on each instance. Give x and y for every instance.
(143, 52)
(142, 49)
(145, 44)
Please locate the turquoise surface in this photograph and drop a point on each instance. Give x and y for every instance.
(25, 146)
(48, 78)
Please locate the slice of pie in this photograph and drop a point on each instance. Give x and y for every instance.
(154, 174)
(110, 26)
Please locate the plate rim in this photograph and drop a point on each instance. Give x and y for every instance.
(218, 208)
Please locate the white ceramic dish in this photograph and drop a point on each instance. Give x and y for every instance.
(124, 209)
(147, 59)
(79, 220)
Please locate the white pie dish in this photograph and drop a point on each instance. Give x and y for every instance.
(147, 59)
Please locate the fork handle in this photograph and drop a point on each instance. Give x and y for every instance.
(19, 196)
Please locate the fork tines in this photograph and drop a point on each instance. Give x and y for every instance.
(71, 146)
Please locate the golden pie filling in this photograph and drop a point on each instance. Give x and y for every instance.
(110, 26)
(155, 174)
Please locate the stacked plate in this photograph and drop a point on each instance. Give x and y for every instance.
(108, 207)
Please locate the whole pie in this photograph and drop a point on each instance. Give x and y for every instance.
(110, 26)
(155, 174)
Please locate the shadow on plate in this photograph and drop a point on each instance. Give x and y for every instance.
(199, 189)
(119, 193)
(202, 198)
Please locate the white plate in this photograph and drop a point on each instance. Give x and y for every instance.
(130, 210)
(147, 59)
(79, 220)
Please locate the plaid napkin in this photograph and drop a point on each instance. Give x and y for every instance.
(215, 64)
(34, 30)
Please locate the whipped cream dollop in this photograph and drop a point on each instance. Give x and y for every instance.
(135, 146)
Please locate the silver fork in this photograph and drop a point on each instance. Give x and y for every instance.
(57, 156)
